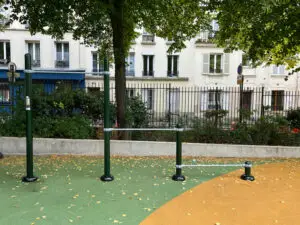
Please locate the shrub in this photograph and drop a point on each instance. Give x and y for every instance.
(293, 116)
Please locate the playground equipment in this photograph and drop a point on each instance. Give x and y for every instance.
(107, 176)
(178, 175)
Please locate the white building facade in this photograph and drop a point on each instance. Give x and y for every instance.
(200, 64)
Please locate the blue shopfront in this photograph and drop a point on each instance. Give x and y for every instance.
(49, 79)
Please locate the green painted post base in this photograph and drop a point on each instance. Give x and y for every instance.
(247, 175)
(178, 178)
(29, 179)
(106, 178)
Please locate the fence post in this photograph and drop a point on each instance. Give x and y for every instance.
(29, 146)
(178, 176)
(107, 176)
(262, 111)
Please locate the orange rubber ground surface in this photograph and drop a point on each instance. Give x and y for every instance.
(272, 199)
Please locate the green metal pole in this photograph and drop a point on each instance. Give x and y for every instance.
(247, 175)
(178, 176)
(107, 176)
(29, 146)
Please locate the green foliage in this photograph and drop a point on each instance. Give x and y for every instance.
(136, 113)
(268, 31)
(293, 117)
(246, 114)
(67, 113)
(111, 26)
(216, 116)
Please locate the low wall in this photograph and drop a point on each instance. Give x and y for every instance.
(45, 146)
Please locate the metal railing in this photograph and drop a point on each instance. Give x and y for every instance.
(171, 104)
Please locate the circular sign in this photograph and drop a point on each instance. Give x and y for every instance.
(240, 69)
(12, 67)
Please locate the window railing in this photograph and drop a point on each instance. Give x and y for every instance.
(4, 62)
(205, 37)
(148, 38)
(172, 73)
(36, 63)
(96, 70)
(217, 70)
(130, 73)
(61, 64)
(148, 73)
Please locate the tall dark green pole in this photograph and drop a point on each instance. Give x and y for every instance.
(29, 146)
(178, 176)
(107, 176)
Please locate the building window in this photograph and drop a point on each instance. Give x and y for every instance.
(4, 93)
(148, 38)
(216, 63)
(246, 62)
(206, 36)
(130, 64)
(148, 98)
(33, 48)
(277, 100)
(62, 55)
(172, 65)
(98, 64)
(214, 100)
(148, 65)
(4, 52)
(279, 70)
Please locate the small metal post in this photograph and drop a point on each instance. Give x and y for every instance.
(107, 176)
(247, 175)
(178, 176)
(29, 146)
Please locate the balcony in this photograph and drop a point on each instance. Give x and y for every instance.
(148, 73)
(148, 39)
(205, 38)
(36, 63)
(130, 73)
(61, 64)
(172, 74)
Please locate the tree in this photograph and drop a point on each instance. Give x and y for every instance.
(4, 20)
(111, 26)
(266, 30)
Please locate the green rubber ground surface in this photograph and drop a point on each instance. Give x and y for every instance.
(69, 190)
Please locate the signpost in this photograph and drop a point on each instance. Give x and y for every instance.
(240, 81)
(12, 74)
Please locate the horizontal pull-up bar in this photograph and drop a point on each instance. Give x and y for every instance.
(145, 129)
(67, 72)
(215, 165)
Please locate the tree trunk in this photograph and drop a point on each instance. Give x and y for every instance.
(117, 22)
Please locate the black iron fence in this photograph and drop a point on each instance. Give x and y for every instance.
(168, 104)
